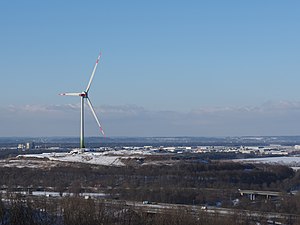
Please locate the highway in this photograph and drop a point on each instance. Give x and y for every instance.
(195, 210)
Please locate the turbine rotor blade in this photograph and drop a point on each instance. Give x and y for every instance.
(71, 94)
(93, 73)
(96, 118)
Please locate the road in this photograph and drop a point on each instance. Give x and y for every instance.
(195, 210)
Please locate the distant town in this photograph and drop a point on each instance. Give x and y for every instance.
(273, 149)
(260, 146)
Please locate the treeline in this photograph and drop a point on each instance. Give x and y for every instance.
(180, 175)
(79, 211)
(206, 182)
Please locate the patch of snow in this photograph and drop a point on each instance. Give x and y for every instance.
(285, 160)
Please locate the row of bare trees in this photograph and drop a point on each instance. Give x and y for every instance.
(79, 211)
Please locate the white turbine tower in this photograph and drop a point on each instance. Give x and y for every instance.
(84, 95)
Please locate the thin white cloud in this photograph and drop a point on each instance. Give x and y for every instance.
(270, 118)
(270, 106)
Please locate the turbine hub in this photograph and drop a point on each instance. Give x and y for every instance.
(84, 94)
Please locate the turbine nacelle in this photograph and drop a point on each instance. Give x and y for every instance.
(83, 94)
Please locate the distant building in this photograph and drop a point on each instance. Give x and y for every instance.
(297, 147)
(21, 146)
(30, 145)
(27, 146)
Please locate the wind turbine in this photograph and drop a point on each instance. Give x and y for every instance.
(84, 95)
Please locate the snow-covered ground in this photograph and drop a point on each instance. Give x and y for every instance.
(96, 158)
(117, 158)
(107, 158)
(130, 152)
(28, 163)
(291, 161)
(57, 194)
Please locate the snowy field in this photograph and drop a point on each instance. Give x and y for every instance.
(85, 157)
(117, 158)
(107, 158)
(292, 161)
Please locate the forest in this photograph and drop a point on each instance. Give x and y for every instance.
(191, 182)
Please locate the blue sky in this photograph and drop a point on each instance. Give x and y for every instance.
(168, 68)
